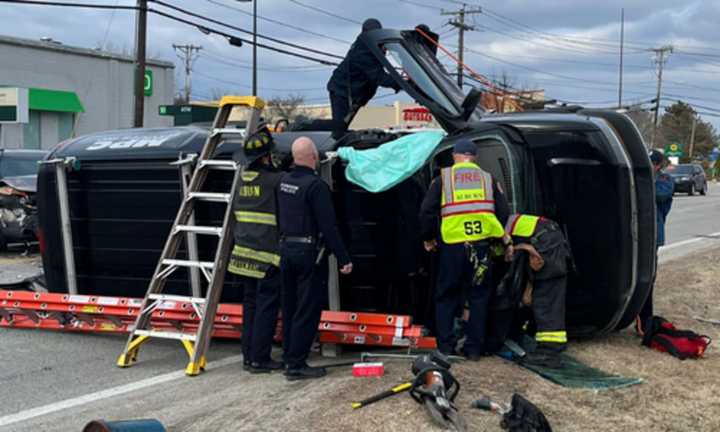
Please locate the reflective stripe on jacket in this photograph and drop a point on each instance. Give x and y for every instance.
(467, 206)
(256, 231)
(520, 225)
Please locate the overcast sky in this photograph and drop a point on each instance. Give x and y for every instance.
(569, 48)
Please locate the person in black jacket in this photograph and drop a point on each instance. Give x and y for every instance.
(307, 229)
(355, 81)
(256, 257)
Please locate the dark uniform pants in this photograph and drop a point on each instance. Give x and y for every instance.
(304, 294)
(261, 302)
(455, 273)
(549, 288)
(548, 306)
(340, 106)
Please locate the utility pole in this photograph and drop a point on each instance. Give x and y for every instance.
(622, 43)
(459, 23)
(188, 54)
(661, 55)
(140, 45)
(692, 138)
(254, 81)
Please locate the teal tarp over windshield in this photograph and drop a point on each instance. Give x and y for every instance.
(381, 168)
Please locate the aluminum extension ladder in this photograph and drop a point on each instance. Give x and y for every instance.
(196, 344)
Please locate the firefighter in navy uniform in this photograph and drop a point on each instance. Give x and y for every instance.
(354, 82)
(472, 210)
(308, 232)
(548, 252)
(255, 257)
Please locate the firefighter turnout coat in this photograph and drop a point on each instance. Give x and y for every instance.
(256, 232)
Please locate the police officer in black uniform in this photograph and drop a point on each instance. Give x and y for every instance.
(308, 231)
(355, 81)
(255, 257)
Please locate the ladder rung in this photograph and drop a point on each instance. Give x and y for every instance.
(166, 334)
(177, 298)
(227, 165)
(185, 263)
(210, 196)
(228, 131)
(210, 230)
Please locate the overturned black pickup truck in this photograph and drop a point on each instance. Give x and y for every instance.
(586, 169)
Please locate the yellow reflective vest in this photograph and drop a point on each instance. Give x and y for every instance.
(520, 225)
(467, 206)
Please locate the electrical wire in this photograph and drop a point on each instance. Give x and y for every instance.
(218, 58)
(107, 29)
(68, 4)
(230, 26)
(426, 6)
(290, 26)
(325, 12)
(233, 83)
(201, 27)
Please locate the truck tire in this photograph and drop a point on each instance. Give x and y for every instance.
(704, 189)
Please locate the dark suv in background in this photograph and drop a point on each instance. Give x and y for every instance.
(18, 187)
(689, 178)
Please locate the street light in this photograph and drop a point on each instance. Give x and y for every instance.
(254, 57)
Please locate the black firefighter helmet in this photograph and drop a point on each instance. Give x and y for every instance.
(257, 145)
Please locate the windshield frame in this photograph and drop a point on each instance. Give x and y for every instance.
(375, 39)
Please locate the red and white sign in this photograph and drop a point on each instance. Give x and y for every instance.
(417, 114)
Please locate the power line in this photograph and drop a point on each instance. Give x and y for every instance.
(201, 27)
(426, 6)
(209, 55)
(230, 26)
(233, 83)
(324, 12)
(107, 29)
(68, 4)
(284, 24)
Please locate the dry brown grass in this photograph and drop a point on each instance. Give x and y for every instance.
(676, 395)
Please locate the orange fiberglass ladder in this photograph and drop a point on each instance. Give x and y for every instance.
(105, 314)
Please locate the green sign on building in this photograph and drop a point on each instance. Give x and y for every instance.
(673, 150)
(148, 82)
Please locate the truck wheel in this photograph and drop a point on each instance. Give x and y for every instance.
(691, 191)
(703, 191)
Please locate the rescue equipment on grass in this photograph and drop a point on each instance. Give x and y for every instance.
(521, 416)
(468, 205)
(435, 388)
(662, 335)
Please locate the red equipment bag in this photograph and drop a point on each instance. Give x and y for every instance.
(661, 335)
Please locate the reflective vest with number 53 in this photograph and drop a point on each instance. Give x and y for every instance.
(468, 206)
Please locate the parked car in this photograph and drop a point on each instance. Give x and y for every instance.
(18, 187)
(587, 169)
(689, 178)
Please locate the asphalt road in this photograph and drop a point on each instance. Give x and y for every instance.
(60, 381)
(693, 224)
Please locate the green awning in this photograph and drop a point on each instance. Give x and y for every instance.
(54, 100)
